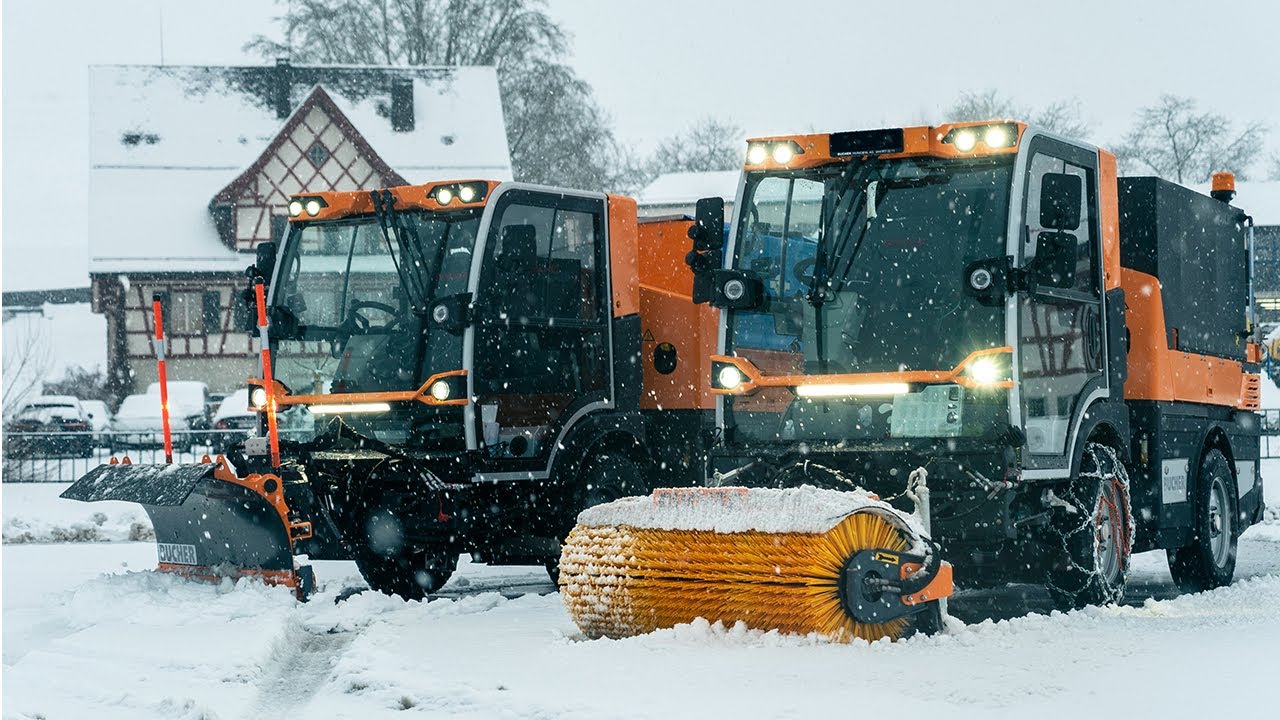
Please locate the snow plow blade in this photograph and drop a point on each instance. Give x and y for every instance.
(798, 560)
(209, 523)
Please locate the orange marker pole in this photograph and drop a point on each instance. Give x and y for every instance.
(164, 378)
(259, 293)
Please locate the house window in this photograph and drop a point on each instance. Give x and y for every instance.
(317, 154)
(212, 312)
(183, 313)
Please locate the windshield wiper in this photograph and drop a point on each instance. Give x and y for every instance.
(383, 201)
(818, 294)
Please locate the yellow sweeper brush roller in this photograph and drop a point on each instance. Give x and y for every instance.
(798, 560)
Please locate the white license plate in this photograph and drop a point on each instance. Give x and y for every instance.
(177, 554)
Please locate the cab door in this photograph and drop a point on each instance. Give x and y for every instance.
(1060, 333)
(541, 343)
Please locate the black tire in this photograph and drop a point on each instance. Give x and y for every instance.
(604, 477)
(1209, 561)
(1092, 541)
(393, 567)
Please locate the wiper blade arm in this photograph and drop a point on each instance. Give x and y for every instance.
(383, 201)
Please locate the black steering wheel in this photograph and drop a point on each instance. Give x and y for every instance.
(357, 324)
(362, 323)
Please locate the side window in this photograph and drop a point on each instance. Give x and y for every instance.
(1086, 247)
(1060, 330)
(541, 340)
(548, 258)
(572, 281)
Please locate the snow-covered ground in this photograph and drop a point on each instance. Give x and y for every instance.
(90, 631)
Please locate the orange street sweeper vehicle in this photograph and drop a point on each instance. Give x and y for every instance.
(1062, 357)
(452, 367)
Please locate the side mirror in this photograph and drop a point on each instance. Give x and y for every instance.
(265, 259)
(988, 280)
(1060, 196)
(452, 313)
(1054, 265)
(707, 233)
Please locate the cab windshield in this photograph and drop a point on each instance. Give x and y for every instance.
(862, 265)
(349, 310)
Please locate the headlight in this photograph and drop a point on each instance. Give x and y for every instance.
(980, 279)
(295, 208)
(729, 377)
(258, 398)
(985, 371)
(997, 136)
(440, 390)
(444, 196)
(313, 207)
(734, 290)
(781, 151)
(466, 193)
(966, 140)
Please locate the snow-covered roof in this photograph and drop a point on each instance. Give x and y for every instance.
(679, 188)
(164, 140)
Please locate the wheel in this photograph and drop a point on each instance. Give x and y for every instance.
(928, 621)
(1093, 539)
(605, 477)
(393, 567)
(1209, 561)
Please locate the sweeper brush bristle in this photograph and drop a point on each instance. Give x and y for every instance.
(619, 580)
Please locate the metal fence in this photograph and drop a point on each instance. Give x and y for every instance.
(66, 456)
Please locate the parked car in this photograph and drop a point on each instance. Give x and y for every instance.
(138, 424)
(188, 401)
(99, 419)
(235, 419)
(60, 426)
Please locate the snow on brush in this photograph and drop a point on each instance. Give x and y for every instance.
(804, 509)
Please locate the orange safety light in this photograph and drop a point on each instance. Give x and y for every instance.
(1223, 187)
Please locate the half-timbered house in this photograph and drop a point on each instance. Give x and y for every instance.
(191, 168)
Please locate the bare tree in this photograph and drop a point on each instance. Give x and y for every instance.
(708, 144)
(1275, 167)
(84, 383)
(556, 132)
(1175, 141)
(1064, 117)
(26, 364)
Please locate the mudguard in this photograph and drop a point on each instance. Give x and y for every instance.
(209, 522)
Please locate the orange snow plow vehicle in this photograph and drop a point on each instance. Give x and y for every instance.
(451, 367)
(1065, 355)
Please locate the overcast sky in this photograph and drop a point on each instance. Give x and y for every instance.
(656, 65)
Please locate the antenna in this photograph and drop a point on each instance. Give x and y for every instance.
(160, 9)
